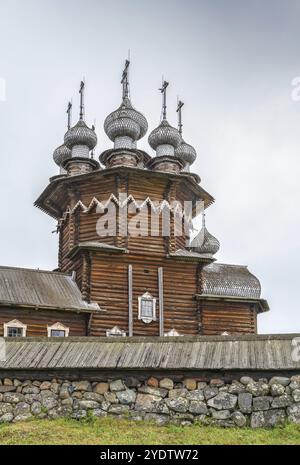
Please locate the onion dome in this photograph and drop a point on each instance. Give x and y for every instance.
(186, 153)
(204, 242)
(61, 154)
(81, 134)
(125, 125)
(164, 134)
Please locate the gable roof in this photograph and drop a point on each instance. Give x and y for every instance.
(22, 287)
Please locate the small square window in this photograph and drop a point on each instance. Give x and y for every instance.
(57, 333)
(14, 331)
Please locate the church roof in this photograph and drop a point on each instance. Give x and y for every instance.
(22, 287)
(230, 280)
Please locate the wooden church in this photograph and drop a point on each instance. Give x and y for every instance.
(126, 263)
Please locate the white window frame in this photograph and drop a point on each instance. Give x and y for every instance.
(115, 332)
(149, 297)
(14, 324)
(58, 327)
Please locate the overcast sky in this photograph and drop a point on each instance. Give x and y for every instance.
(232, 62)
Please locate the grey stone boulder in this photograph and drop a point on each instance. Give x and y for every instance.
(22, 408)
(31, 390)
(166, 383)
(36, 408)
(280, 380)
(294, 413)
(294, 385)
(64, 392)
(195, 395)
(22, 417)
(126, 397)
(6, 418)
(198, 407)
(49, 402)
(236, 388)
(82, 386)
(274, 418)
(88, 404)
(117, 385)
(296, 395)
(223, 401)
(13, 397)
(30, 398)
(105, 405)
(210, 392)
(257, 420)
(98, 412)
(258, 389)
(245, 402)
(153, 391)
(246, 380)
(282, 401)
(181, 404)
(161, 408)
(239, 419)
(146, 402)
(93, 396)
(79, 414)
(221, 414)
(45, 385)
(157, 418)
(262, 403)
(111, 397)
(119, 409)
(174, 393)
(277, 389)
(5, 408)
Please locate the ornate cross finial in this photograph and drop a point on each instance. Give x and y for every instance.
(203, 220)
(125, 80)
(163, 90)
(81, 91)
(69, 112)
(179, 106)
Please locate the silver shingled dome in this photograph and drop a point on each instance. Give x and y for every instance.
(204, 242)
(164, 134)
(125, 121)
(81, 134)
(186, 153)
(61, 154)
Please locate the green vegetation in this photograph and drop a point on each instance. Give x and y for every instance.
(122, 431)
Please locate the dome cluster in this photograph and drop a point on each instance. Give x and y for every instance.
(124, 127)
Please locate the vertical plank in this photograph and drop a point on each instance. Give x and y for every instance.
(161, 300)
(130, 311)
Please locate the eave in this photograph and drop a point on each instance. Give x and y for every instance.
(262, 304)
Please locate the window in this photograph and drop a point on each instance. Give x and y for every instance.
(115, 332)
(14, 328)
(58, 330)
(147, 305)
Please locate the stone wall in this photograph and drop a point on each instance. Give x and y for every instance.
(244, 402)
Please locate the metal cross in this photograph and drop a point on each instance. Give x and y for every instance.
(125, 80)
(81, 91)
(179, 106)
(69, 111)
(163, 90)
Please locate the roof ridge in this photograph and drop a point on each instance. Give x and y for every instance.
(36, 270)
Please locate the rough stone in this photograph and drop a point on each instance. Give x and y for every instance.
(6, 418)
(5, 408)
(21, 408)
(239, 419)
(31, 390)
(190, 384)
(118, 409)
(153, 382)
(101, 388)
(181, 404)
(277, 389)
(223, 401)
(195, 395)
(93, 396)
(262, 403)
(126, 397)
(49, 402)
(166, 383)
(221, 414)
(36, 408)
(236, 388)
(246, 380)
(13, 397)
(45, 385)
(294, 413)
(88, 404)
(82, 386)
(258, 389)
(174, 393)
(145, 402)
(22, 417)
(274, 418)
(280, 380)
(282, 401)
(245, 402)
(216, 382)
(79, 414)
(116, 385)
(198, 408)
(296, 395)
(158, 419)
(257, 420)
(153, 391)
(210, 392)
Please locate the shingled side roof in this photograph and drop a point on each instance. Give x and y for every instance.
(21, 287)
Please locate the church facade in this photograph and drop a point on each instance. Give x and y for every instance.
(127, 265)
